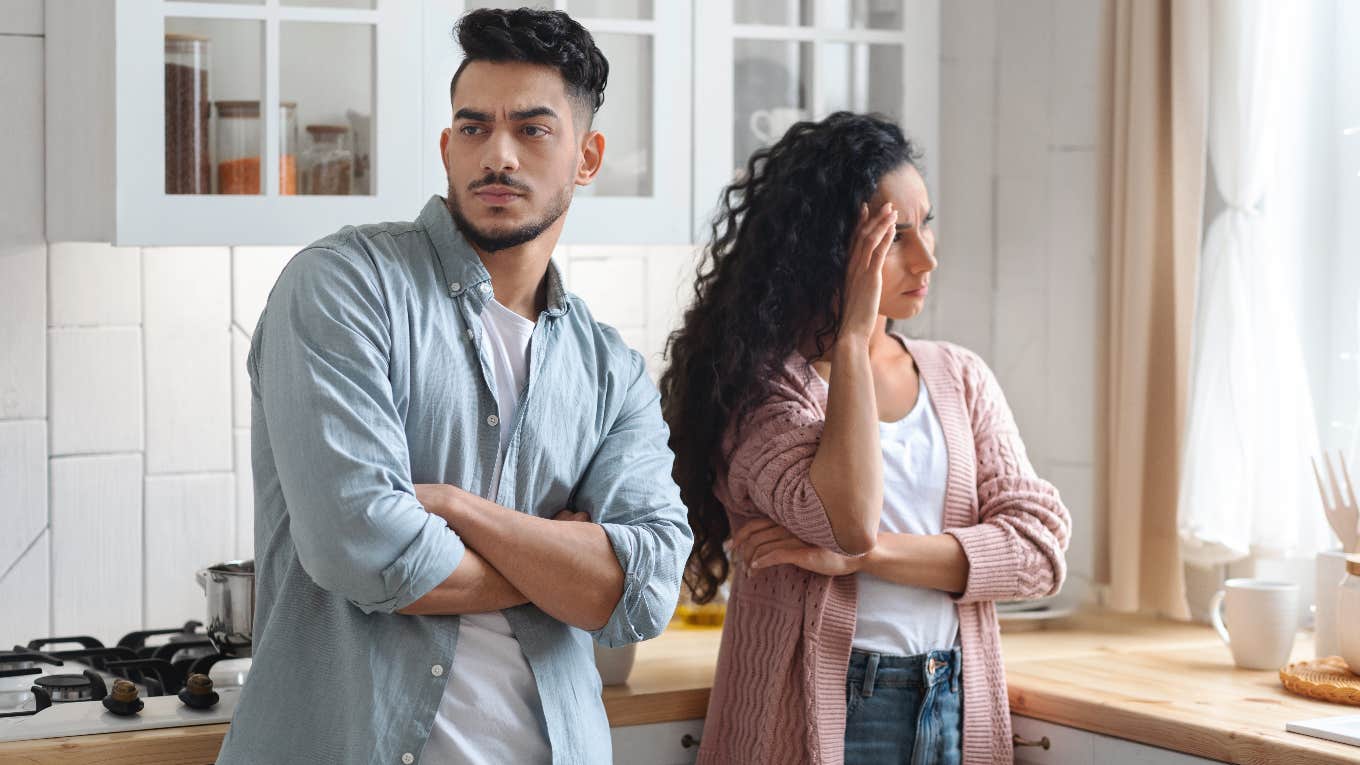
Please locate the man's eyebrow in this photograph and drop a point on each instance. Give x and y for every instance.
(537, 111)
(471, 114)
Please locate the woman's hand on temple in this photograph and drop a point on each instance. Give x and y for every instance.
(864, 271)
(762, 543)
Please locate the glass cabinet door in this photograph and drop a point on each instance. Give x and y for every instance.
(264, 121)
(766, 64)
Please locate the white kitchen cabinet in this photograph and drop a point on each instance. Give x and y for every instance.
(352, 63)
(670, 743)
(22, 17)
(1071, 746)
(642, 193)
(762, 65)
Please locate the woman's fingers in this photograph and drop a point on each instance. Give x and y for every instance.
(753, 542)
(751, 527)
(761, 554)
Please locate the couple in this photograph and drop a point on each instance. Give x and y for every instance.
(462, 479)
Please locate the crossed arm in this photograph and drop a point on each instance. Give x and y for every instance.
(575, 576)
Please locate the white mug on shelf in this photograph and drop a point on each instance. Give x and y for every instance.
(1261, 619)
(769, 125)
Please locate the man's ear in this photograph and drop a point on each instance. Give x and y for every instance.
(444, 147)
(592, 157)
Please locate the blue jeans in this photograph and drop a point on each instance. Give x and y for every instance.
(904, 709)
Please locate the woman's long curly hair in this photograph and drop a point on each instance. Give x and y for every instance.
(770, 278)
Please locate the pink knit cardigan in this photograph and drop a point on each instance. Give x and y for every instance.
(779, 690)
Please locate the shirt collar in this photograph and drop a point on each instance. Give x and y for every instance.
(463, 268)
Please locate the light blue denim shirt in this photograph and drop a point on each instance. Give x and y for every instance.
(369, 374)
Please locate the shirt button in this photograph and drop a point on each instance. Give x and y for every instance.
(408, 758)
(437, 670)
(470, 333)
(485, 288)
(454, 286)
(493, 420)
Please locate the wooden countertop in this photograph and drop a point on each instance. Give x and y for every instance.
(1162, 683)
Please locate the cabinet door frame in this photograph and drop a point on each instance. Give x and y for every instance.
(141, 206)
(663, 217)
(716, 32)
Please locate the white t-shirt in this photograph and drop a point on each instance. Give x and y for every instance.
(897, 619)
(491, 712)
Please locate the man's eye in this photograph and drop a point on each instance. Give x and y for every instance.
(534, 131)
(469, 130)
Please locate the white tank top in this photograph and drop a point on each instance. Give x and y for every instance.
(897, 619)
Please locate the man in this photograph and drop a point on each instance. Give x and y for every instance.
(426, 400)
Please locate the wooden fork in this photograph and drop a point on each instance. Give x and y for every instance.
(1342, 511)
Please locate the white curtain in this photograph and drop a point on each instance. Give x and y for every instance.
(1246, 487)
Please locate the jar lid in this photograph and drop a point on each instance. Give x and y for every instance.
(327, 129)
(1353, 565)
(238, 108)
(185, 37)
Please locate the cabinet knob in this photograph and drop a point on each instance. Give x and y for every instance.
(1021, 741)
(688, 741)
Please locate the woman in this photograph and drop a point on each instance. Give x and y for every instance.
(873, 490)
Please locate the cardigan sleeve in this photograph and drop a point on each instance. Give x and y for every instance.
(770, 462)
(1016, 550)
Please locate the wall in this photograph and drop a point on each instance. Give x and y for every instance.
(124, 427)
(1021, 276)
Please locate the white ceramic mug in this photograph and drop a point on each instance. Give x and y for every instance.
(1261, 618)
(775, 122)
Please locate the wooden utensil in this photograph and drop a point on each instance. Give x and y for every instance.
(1343, 513)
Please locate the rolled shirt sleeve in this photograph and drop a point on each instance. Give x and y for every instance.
(629, 491)
(320, 364)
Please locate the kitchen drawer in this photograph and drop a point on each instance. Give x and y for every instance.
(670, 743)
(1066, 746)
(1118, 751)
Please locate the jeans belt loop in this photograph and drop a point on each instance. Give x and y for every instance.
(870, 672)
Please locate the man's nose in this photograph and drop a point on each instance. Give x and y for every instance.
(498, 153)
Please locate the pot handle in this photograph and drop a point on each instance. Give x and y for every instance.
(201, 576)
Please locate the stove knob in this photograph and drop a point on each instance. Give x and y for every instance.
(198, 692)
(123, 701)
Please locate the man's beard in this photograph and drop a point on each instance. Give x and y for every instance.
(515, 237)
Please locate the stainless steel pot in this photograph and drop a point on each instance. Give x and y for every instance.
(230, 589)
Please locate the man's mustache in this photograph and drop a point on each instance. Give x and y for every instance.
(499, 179)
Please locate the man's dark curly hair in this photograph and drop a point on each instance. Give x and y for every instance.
(770, 278)
(550, 38)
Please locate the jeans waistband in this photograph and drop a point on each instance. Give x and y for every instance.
(923, 669)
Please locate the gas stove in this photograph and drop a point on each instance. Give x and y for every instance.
(71, 686)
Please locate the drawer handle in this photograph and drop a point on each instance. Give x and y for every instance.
(688, 741)
(1041, 743)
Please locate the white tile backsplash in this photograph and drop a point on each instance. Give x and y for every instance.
(23, 317)
(188, 399)
(186, 285)
(26, 595)
(240, 378)
(245, 496)
(94, 283)
(95, 390)
(190, 525)
(23, 487)
(97, 561)
(253, 273)
(612, 283)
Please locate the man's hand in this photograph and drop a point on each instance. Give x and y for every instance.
(762, 543)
